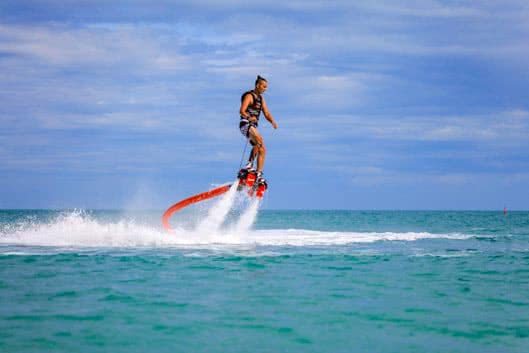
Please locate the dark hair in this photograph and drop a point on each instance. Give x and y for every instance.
(259, 78)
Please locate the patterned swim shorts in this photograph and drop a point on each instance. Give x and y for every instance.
(245, 126)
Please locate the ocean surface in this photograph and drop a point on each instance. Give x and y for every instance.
(240, 279)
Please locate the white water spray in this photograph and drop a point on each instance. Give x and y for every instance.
(217, 214)
(248, 217)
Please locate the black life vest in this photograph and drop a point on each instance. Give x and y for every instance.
(253, 109)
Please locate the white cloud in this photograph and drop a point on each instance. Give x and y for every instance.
(64, 46)
(424, 8)
(368, 174)
(503, 127)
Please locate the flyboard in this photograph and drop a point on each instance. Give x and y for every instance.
(247, 180)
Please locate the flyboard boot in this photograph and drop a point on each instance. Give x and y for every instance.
(246, 176)
(260, 185)
(252, 180)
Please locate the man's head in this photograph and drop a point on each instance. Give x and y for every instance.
(260, 84)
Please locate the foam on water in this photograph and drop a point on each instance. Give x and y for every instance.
(78, 229)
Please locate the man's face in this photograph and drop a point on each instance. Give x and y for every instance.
(261, 86)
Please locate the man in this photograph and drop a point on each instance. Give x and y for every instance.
(252, 103)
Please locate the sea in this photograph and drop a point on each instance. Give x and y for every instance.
(233, 277)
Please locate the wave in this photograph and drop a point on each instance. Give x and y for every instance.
(79, 229)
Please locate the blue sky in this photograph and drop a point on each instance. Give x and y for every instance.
(380, 105)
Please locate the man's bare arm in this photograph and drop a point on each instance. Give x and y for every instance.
(244, 105)
(267, 114)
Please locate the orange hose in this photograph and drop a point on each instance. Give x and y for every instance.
(191, 200)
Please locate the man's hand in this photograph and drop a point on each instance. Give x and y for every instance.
(274, 124)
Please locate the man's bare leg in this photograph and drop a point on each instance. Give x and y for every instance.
(253, 153)
(257, 139)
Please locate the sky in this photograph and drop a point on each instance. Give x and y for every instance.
(380, 104)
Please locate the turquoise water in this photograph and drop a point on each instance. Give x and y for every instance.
(296, 281)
